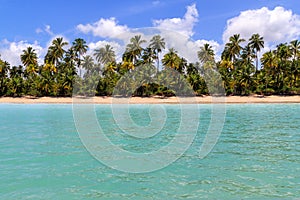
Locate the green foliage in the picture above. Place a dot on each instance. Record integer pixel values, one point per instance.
(141, 72)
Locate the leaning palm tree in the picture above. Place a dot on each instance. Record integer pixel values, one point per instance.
(29, 57)
(157, 43)
(206, 53)
(135, 47)
(256, 42)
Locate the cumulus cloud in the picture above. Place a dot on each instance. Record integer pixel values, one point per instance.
(176, 32)
(277, 25)
(105, 28)
(183, 25)
(116, 47)
(11, 51)
(188, 48)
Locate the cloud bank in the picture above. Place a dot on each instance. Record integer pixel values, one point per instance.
(277, 25)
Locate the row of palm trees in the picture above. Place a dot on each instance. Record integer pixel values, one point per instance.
(278, 73)
(68, 70)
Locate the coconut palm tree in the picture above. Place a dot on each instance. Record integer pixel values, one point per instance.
(149, 55)
(206, 53)
(4, 68)
(135, 47)
(105, 54)
(29, 57)
(295, 49)
(256, 42)
(79, 47)
(88, 64)
(157, 43)
(269, 60)
(171, 59)
(233, 48)
(283, 53)
(29, 60)
(56, 51)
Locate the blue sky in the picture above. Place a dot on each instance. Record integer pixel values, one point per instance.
(36, 22)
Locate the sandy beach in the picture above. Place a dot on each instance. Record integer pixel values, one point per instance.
(153, 100)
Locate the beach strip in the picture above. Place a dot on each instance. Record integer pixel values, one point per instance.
(153, 100)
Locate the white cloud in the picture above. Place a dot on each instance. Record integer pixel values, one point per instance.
(11, 51)
(186, 47)
(119, 50)
(105, 28)
(155, 2)
(47, 29)
(175, 31)
(277, 25)
(183, 25)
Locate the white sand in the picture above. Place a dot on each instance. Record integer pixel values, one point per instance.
(154, 100)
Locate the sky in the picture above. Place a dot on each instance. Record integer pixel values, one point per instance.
(36, 23)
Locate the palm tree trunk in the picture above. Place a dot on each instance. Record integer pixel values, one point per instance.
(256, 60)
(157, 61)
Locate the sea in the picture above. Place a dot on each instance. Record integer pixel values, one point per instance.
(238, 151)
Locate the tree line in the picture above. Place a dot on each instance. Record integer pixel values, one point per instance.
(241, 69)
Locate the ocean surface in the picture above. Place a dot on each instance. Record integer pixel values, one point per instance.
(257, 155)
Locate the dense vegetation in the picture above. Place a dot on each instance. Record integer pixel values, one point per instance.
(240, 69)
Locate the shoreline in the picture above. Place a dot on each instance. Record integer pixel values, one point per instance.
(153, 100)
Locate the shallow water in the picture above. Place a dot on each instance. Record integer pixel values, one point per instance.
(256, 157)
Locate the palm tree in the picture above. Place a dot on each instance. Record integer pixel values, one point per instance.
(149, 55)
(135, 48)
(31, 70)
(283, 52)
(55, 52)
(49, 67)
(171, 59)
(29, 57)
(105, 54)
(233, 48)
(182, 65)
(157, 43)
(269, 62)
(295, 49)
(88, 64)
(256, 42)
(206, 53)
(29, 60)
(4, 67)
(79, 47)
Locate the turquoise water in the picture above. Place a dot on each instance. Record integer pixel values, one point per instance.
(257, 156)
